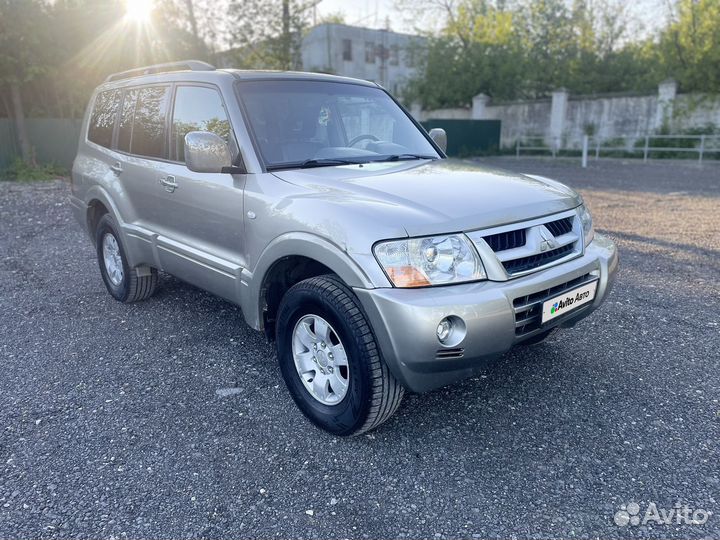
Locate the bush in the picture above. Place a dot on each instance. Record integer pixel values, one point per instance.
(24, 172)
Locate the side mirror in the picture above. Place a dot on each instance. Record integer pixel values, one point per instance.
(206, 152)
(439, 137)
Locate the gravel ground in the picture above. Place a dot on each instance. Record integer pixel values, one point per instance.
(169, 418)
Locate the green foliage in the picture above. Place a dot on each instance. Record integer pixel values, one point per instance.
(267, 34)
(689, 48)
(527, 49)
(24, 172)
(60, 50)
(24, 54)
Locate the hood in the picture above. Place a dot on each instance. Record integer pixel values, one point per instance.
(433, 197)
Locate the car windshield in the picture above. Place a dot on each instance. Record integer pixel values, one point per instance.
(320, 123)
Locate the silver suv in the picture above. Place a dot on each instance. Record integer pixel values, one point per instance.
(319, 206)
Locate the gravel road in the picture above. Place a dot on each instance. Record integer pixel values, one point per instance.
(169, 418)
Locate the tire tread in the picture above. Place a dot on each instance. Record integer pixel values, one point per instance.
(138, 287)
(386, 392)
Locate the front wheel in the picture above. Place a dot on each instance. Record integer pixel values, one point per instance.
(330, 360)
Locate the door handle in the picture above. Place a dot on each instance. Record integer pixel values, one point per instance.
(169, 183)
(116, 168)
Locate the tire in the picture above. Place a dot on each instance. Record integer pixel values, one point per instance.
(539, 338)
(124, 283)
(372, 394)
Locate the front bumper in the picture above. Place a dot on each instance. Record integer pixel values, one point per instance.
(405, 320)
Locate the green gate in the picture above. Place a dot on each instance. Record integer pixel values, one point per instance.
(54, 140)
(468, 137)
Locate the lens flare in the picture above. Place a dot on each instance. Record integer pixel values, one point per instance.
(138, 11)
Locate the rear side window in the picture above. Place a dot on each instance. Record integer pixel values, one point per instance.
(102, 120)
(148, 132)
(197, 108)
(127, 112)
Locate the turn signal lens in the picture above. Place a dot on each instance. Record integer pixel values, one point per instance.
(587, 224)
(407, 276)
(432, 260)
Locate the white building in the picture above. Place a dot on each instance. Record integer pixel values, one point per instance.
(385, 57)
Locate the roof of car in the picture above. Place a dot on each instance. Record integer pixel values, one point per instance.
(202, 72)
(255, 74)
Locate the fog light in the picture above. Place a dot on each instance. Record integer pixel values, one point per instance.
(444, 329)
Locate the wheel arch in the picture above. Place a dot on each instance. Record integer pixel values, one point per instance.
(96, 209)
(99, 203)
(288, 260)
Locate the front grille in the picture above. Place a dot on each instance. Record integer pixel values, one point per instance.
(528, 309)
(447, 354)
(561, 226)
(529, 246)
(506, 240)
(528, 263)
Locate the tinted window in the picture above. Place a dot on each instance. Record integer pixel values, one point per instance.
(365, 114)
(148, 133)
(293, 121)
(197, 109)
(126, 120)
(103, 117)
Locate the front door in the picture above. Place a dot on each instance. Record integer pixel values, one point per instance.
(203, 212)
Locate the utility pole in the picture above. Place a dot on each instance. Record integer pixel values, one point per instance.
(286, 39)
(384, 52)
(199, 44)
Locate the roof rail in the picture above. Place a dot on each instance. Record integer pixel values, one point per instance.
(190, 65)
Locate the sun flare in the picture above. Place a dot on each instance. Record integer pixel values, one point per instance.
(138, 10)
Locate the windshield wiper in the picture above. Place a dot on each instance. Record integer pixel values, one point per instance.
(405, 157)
(327, 162)
(314, 162)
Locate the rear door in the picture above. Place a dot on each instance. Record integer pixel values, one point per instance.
(202, 212)
(142, 146)
(96, 160)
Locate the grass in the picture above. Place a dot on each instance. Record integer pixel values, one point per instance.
(21, 171)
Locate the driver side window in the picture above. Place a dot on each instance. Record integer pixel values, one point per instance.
(362, 116)
(198, 108)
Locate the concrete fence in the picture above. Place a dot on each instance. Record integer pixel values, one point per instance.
(54, 140)
(564, 119)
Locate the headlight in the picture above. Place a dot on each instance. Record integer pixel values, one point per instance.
(587, 224)
(434, 260)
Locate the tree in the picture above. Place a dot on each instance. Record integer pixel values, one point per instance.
(690, 46)
(267, 33)
(527, 49)
(477, 51)
(24, 56)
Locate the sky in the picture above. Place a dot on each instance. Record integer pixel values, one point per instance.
(651, 14)
(369, 13)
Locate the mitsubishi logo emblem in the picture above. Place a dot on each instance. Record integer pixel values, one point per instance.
(548, 240)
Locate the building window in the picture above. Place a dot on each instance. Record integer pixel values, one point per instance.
(369, 52)
(394, 55)
(347, 49)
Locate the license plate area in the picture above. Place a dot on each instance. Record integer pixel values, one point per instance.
(568, 301)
